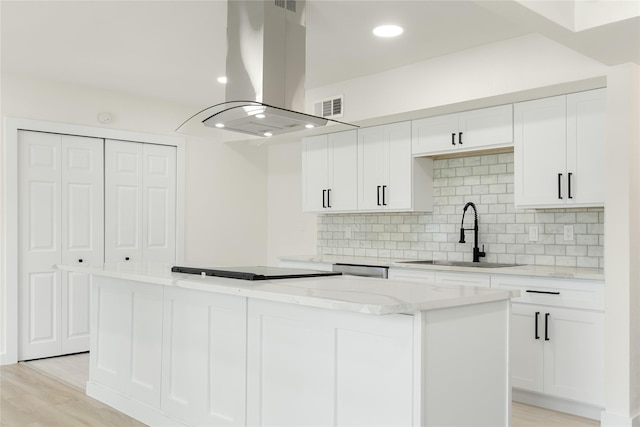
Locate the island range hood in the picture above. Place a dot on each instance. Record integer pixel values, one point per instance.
(265, 68)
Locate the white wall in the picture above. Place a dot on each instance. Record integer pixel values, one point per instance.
(505, 67)
(291, 232)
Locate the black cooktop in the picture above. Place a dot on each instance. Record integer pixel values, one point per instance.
(253, 272)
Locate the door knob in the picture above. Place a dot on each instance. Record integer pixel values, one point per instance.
(80, 260)
(126, 258)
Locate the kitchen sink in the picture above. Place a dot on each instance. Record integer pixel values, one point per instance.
(462, 263)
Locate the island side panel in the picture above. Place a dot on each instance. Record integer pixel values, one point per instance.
(310, 366)
(465, 365)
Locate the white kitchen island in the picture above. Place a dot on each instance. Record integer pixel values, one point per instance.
(177, 349)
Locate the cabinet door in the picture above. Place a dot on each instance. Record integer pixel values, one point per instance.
(204, 357)
(526, 347)
(158, 203)
(39, 208)
(397, 194)
(434, 135)
(372, 167)
(540, 152)
(486, 128)
(343, 171)
(586, 141)
(315, 167)
(82, 236)
(574, 355)
(123, 201)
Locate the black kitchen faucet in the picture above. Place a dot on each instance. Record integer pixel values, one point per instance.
(476, 251)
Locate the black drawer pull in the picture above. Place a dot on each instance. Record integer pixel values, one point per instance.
(329, 198)
(379, 187)
(543, 292)
(460, 138)
(384, 192)
(569, 185)
(453, 139)
(537, 315)
(546, 326)
(324, 196)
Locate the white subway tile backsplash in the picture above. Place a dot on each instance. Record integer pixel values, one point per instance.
(486, 180)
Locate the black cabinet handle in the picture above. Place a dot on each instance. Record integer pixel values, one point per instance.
(546, 326)
(329, 198)
(460, 138)
(569, 185)
(543, 292)
(536, 325)
(379, 196)
(324, 193)
(126, 258)
(384, 192)
(453, 139)
(80, 260)
(560, 186)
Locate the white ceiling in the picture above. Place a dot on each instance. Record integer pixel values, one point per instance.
(174, 50)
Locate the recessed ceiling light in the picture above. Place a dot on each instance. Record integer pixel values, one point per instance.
(268, 134)
(260, 116)
(388, 31)
(309, 126)
(219, 125)
(222, 79)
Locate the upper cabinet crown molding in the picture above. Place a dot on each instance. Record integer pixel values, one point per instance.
(485, 128)
(560, 145)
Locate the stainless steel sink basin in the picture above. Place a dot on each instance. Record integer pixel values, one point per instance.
(461, 263)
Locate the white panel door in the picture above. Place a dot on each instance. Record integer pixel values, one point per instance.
(204, 357)
(540, 151)
(315, 169)
(526, 347)
(486, 127)
(158, 203)
(586, 140)
(82, 236)
(373, 167)
(435, 134)
(39, 242)
(574, 355)
(123, 201)
(343, 171)
(397, 194)
(61, 221)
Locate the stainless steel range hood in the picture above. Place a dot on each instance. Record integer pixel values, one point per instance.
(266, 43)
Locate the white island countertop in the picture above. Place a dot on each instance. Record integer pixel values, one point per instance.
(344, 293)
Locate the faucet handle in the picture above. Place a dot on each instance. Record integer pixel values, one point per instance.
(482, 253)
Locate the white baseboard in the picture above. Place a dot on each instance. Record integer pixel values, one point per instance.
(137, 410)
(557, 404)
(608, 419)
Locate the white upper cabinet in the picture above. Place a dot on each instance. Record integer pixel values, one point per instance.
(460, 132)
(388, 177)
(559, 150)
(140, 202)
(329, 164)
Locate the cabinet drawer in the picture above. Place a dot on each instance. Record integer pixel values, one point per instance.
(587, 294)
(421, 276)
(464, 279)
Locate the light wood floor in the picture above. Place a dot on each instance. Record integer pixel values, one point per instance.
(50, 392)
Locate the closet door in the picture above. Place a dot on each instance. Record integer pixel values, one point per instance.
(159, 203)
(123, 201)
(140, 202)
(60, 207)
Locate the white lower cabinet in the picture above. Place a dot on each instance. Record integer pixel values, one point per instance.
(306, 367)
(203, 357)
(557, 348)
(126, 339)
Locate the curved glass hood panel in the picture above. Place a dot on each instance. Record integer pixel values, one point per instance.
(254, 118)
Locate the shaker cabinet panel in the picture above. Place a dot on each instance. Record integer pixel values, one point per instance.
(329, 172)
(484, 128)
(559, 150)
